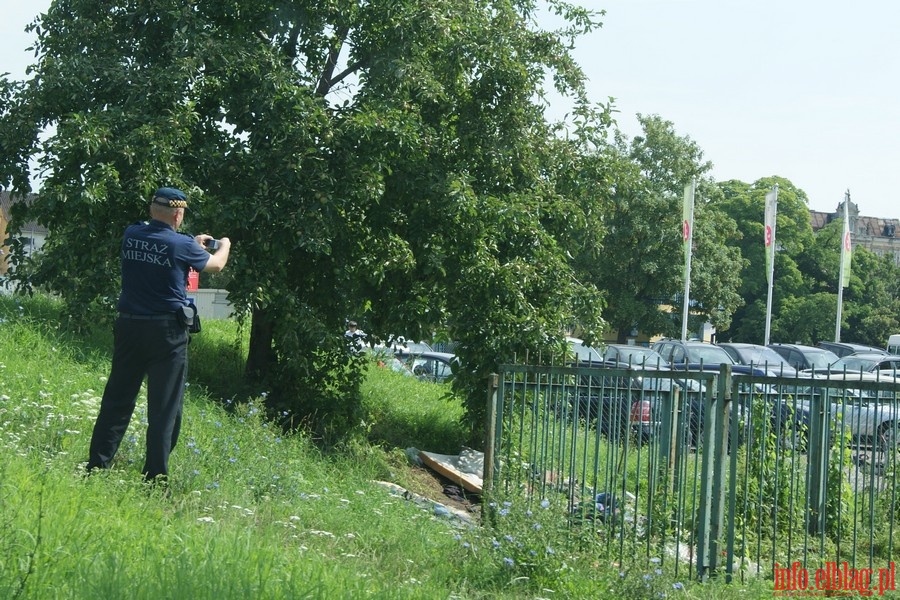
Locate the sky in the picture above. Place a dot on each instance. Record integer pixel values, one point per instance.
(808, 90)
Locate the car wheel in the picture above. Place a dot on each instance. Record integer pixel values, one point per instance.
(888, 436)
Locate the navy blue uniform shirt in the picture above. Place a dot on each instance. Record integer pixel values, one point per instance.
(155, 263)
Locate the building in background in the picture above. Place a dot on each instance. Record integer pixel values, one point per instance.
(32, 234)
(875, 234)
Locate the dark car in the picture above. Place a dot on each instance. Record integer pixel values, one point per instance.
(843, 349)
(804, 358)
(682, 353)
(611, 403)
(759, 356)
(695, 355)
(652, 381)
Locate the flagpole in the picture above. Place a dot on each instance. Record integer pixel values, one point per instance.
(771, 212)
(844, 270)
(687, 230)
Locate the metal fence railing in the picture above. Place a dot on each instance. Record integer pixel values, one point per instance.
(720, 473)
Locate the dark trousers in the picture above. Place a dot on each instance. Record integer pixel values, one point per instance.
(157, 349)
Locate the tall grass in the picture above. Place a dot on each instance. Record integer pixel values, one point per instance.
(253, 512)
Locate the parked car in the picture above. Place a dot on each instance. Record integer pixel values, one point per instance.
(613, 404)
(644, 417)
(893, 344)
(693, 355)
(843, 349)
(400, 345)
(805, 358)
(647, 359)
(638, 356)
(683, 354)
(873, 418)
(430, 366)
(582, 352)
(867, 363)
(759, 356)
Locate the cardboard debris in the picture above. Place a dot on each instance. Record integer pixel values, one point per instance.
(449, 466)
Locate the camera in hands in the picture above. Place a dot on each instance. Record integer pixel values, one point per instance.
(211, 244)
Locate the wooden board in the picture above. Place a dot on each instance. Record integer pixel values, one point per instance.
(445, 464)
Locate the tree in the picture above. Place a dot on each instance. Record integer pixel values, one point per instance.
(383, 161)
(872, 305)
(870, 302)
(745, 203)
(643, 271)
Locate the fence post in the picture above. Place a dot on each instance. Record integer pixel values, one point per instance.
(712, 489)
(668, 437)
(817, 449)
(491, 435)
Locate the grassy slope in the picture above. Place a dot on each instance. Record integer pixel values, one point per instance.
(253, 513)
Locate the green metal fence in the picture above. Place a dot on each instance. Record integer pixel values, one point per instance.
(723, 474)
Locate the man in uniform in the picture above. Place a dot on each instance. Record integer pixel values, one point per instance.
(151, 332)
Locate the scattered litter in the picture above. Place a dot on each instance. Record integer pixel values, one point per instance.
(435, 508)
(413, 455)
(454, 493)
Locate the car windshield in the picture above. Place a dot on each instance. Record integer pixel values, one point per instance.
(821, 360)
(764, 355)
(854, 363)
(639, 355)
(584, 353)
(711, 355)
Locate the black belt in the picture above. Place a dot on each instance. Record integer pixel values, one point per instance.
(162, 317)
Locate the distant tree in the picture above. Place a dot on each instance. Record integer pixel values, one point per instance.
(643, 271)
(384, 161)
(871, 302)
(806, 274)
(805, 319)
(745, 203)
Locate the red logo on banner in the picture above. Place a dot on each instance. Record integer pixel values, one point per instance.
(768, 235)
(847, 241)
(686, 230)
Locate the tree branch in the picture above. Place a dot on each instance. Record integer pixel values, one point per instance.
(290, 47)
(326, 81)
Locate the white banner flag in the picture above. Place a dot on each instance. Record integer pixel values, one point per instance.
(770, 219)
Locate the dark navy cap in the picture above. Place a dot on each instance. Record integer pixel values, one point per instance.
(170, 197)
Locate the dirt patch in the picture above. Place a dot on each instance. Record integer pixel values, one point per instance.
(425, 482)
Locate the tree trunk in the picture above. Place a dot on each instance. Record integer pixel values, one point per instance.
(260, 355)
